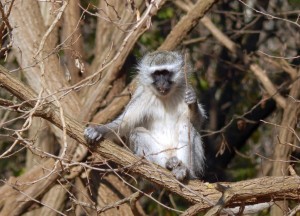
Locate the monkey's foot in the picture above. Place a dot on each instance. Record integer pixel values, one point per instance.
(190, 96)
(172, 163)
(178, 169)
(92, 135)
(180, 172)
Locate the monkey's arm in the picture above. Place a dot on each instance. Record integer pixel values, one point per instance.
(196, 112)
(121, 126)
(93, 134)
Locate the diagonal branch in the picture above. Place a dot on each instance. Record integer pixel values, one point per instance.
(189, 21)
(235, 49)
(262, 189)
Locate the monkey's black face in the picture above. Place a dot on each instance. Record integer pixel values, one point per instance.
(162, 81)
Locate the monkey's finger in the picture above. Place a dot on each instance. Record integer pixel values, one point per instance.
(88, 131)
(94, 134)
(89, 135)
(190, 96)
(190, 100)
(99, 137)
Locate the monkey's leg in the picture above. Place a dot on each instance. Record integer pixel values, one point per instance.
(198, 157)
(143, 144)
(190, 151)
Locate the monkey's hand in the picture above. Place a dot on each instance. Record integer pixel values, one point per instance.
(190, 96)
(93, 134)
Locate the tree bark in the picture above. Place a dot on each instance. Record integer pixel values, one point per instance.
(286, 141)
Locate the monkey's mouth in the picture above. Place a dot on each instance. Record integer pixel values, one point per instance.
(163, 91)
(162, 87)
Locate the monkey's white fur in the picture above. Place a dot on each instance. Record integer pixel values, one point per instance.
(162, 128)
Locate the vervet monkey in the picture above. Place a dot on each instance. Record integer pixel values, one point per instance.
(162, 120)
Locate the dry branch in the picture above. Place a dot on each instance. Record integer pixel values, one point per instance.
(43, 72)
(281, 64)
(35, 48)
(14, 202)
(283, 149)
(246, 192)
(267, 83)
(114, 21)
(287, 132)
(73, 40)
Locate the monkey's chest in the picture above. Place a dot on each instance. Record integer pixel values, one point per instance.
(165, 129)
(165, 122)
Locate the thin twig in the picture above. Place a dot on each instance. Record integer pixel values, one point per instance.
(189, 112)
(50, 29)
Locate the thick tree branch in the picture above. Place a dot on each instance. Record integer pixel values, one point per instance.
(73, 40)
(189, 21)
(283, 149)
(262, 189)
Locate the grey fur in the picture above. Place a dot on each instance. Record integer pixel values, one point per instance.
(158, 126)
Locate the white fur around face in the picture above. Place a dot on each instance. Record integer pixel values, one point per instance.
(146, 66)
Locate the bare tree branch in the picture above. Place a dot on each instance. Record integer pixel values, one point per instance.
(282, 151)
(71, 34)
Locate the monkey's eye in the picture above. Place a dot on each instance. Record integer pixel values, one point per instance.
(167, 75)
(161, 72)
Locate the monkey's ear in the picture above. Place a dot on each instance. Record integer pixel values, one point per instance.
(143, 53)
(141, 61)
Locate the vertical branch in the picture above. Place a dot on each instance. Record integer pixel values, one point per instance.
(189, 113)
(71, 34)
(283, 149)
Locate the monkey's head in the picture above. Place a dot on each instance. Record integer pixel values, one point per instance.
(162, 71)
